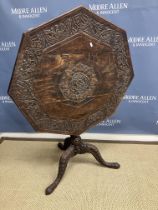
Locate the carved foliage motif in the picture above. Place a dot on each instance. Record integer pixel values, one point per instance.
(47, 35)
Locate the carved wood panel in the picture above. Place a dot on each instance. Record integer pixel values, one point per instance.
(71, 72)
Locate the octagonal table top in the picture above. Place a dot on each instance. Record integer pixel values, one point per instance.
(71, 72)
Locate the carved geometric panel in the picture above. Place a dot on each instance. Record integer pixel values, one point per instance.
(71, 72)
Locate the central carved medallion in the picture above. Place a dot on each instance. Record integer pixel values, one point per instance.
(77, 84)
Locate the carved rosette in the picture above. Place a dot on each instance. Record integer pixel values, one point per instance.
(79, 84)
(71, 72)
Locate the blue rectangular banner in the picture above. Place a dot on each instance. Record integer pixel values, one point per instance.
(138, 111)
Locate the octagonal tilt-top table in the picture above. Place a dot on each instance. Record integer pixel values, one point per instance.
(70, 74)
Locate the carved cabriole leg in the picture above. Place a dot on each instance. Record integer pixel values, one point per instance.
(95, 152)
(82, 147)
(67, 142)
(62, 167)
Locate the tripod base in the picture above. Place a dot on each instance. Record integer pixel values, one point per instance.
(73, 146)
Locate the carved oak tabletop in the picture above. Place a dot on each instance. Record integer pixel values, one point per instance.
(71, 72)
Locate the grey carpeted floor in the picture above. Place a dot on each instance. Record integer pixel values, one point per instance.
(27, 168)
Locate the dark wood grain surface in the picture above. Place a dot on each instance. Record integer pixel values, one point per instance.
(71, 72)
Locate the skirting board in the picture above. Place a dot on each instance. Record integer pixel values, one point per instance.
(86, 136)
